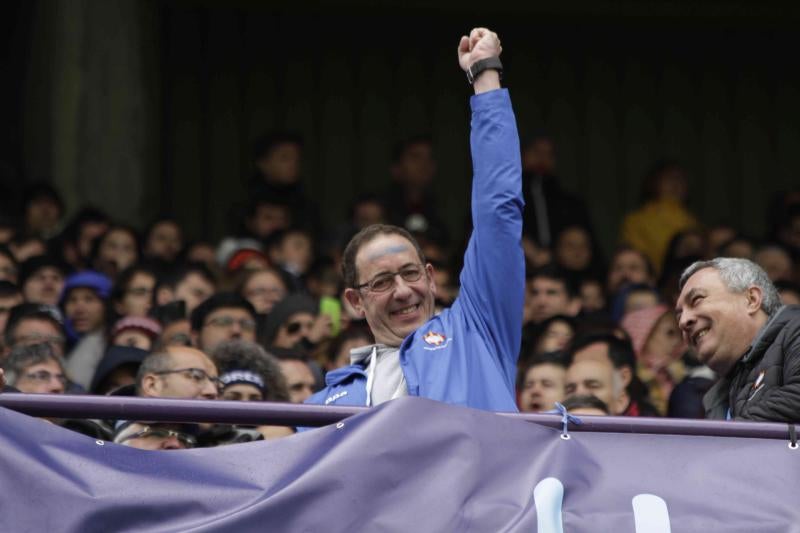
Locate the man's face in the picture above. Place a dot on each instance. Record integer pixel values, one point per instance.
(264, 289)
(574, 249)
(165, 241)
(282, 164)
(395, 313)
(299, 380)
(138, 297)
(194, 289)
(416, 166)
(596, 378)
(548, 297)
(42, 215)
(117, 251)
(627, 267)
(30, 331)
(540, 158)
(227, 323)
(715, 321)
(43, 286)
(543, 386)
(182, 379)
(84, 309)
(297, 326)
(42, 378)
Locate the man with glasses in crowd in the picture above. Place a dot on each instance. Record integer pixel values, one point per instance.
(467, 354)
(222, 317)
(178, 372)
(36, 368)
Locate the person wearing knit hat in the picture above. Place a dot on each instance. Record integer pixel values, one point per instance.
(248, 373)
(84, 303)
(659, 346)
(294, 321)
(136, 331)
(117, 369)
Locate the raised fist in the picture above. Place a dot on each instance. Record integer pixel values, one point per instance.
(480, 44)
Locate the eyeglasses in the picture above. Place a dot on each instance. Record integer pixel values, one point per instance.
(384, 282)
(198, 375)
(140, 291)
(294, 327)
(36, 338)
(161, 433)
(44, 376)
(247, 324)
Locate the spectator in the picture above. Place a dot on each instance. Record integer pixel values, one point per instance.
(409, 200)
(550, 292)
(629, 393)
(224, 316)
(338, 353)
(135, 331)
(731, 315)
(548, 207)
(299, 378)
(775, 261)
(176, 330)
(597, 378)
(658, 346)
(542, 383)
(35, 324)
(115, 250)
(553, 334)
(42, 279)
(192, 283)
(789, 292)
(248, 373)
(132, 293)
(292, 250)
(740, 246)
(163, 241)
(84, 303)
(76, 240)
(178, 372)
(663, 212)
(36, 368)
(295, 322)
(117, 369)
(628, 266)
(42, 210)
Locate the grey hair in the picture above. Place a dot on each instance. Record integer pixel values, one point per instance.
(25, 356)
(738, 275)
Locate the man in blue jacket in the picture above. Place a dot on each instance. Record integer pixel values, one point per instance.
(467, 354)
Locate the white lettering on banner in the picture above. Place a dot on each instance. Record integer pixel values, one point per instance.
(650, 512)
(335, 397)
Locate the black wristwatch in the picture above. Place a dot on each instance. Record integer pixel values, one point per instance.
(490, 63)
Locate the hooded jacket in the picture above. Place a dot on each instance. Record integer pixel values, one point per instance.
(765, 383)
(467, 355)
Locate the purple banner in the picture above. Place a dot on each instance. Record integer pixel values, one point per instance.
(409, 465)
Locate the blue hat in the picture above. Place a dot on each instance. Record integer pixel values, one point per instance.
(88, 279)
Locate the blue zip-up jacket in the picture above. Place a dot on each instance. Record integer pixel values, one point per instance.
(467, 355)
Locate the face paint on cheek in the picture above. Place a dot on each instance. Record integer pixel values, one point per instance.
(390, 250)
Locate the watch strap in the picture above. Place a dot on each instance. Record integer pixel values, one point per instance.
(490, 63)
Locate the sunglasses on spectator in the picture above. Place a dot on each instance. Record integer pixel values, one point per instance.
(295, 327)
(387, 280)
(247, 324)
(44, 376)
(198, 375)
(161, 433)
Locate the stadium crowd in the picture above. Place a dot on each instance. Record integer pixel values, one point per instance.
(92, 306)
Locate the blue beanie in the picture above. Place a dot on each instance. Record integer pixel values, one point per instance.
(87, 279)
